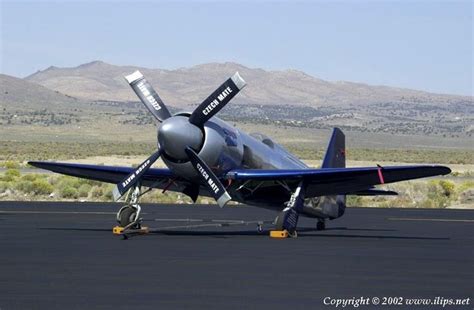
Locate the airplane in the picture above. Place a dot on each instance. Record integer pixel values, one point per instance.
(205, 156)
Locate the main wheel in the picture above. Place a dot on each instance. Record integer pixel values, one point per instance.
(127, 216)
(321, 225)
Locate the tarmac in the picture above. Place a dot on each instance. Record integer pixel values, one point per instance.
(64, 256)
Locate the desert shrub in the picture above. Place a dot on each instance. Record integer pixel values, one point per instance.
(24, 186)
(9, 164)
(13, 172)
(447, 187)
(84, 190)
(437, 196)
(97, 191)
(10, 175)
(467, 196)
(107, 194)
(69, 192)
(427, 204)
(354, 201)
(42, 187)
(4, 186)
(156, 196)
(67, 181)
(465, 186)
(54, 179)
(30, 177)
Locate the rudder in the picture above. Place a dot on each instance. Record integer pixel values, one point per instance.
(336, 152)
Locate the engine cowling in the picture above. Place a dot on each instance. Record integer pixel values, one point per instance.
(217, 143)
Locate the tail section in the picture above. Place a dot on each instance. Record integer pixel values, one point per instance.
(334, 206)
(336, 152)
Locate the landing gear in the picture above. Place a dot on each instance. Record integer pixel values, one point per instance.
(321, 225)
(287, 220)
(126, 216)
(129, 215)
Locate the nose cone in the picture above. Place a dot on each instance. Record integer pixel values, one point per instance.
(175, 134)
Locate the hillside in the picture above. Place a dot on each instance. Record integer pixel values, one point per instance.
(21, 94)
(181, 87)
(94, 94)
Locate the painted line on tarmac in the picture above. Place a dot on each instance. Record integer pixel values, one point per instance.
(202, 220)
(428, 219)
(55, 212)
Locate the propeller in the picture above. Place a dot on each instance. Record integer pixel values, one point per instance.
(181, 137)
(148, 96)
(215, 186)
(131, 179)
(217, 100)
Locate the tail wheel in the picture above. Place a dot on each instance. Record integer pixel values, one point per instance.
(321, 225)
(127, 216)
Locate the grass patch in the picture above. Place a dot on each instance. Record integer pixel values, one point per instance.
(12, 153)
(427, 193)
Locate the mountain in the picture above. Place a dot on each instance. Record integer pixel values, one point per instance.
(19, 93)
(98, 80)
(97, 92)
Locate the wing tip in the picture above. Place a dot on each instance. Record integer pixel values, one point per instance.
(37, 164)
(444, 170)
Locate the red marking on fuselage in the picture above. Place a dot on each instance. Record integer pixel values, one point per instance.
(382, 181)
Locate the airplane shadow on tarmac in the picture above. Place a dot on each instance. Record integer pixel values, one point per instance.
(302, 232)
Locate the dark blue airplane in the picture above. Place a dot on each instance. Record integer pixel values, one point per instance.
(206, 156)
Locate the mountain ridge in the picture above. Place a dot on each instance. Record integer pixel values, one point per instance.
(182, 87)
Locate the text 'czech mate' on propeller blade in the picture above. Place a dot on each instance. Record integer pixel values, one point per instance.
(148, 95)
(217, 100)
(215, 186)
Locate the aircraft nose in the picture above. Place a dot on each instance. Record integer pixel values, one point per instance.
(175, 134)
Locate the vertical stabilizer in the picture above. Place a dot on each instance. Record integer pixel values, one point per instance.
(336, 152)
(335, 157)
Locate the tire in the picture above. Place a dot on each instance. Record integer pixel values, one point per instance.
(321, 225)
(127, 216)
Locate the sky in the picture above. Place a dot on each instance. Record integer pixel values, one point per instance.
(426, 45)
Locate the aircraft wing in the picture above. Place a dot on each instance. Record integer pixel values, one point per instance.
(332, 181)
(157, 178)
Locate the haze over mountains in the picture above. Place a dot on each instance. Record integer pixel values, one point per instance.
(181, 87)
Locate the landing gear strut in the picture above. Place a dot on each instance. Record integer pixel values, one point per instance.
(287, 220)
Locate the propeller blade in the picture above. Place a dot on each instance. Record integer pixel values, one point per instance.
(131, 179)
(215, 186)
(217, 100)
(148, 95)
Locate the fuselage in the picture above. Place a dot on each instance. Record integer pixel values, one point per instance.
(227, 148)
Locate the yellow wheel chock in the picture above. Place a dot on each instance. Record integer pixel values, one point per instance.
(280, 234)
(118, 230)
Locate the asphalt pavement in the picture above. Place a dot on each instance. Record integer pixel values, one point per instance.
(64, 256)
